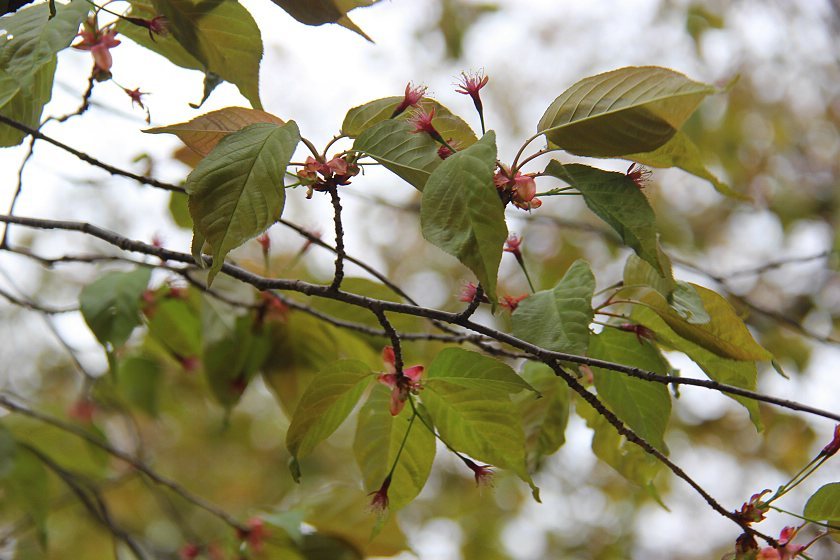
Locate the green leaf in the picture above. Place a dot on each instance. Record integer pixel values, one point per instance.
(681, 152)
(558, 319)
(140, 382)
(681, 296)
(412, 157)
(628, 459)
(739, 373)
(482, 423)
(165, 45)
(450, 126)
(462, 214)
(237, 191)
(643, 405)
(111, 305)
(544, 416)
(617, 200)
(8, 452)
(304, 345)
(725, 333)
(176, 324)
(824, 505)
(29, 59)
(686, 301)
(223, 36)
(179, 210)
(625, 111)
(203, 133)
(319, 12)
(379, 437)
(231, 362)
(28, 487)
(328, 400)
(477, 371)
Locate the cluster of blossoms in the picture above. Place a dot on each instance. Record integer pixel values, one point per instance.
(322, 176)
(470, 292)
(518, 188)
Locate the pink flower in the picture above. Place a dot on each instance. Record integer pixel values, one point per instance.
(412, 97)
(99, 43)
(768, 553)
(785, 550)
(158, 25)
(422, 122)
(254, 534)
(82, 410)
(136, 96)
(471, 85)
(519, 189)
(401, 383)
(468, 293)
(834, 445)
(379, 503)
(512, 245)
(189, 552)
(483, 473)
(639, 175)
(265, 242)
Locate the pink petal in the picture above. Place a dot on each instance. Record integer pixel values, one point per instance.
(388, 379)
(388, 358)
(397, 402)
(413, 373)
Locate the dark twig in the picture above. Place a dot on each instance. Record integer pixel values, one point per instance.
(476, 301)
(392, 334)
(339, 239)
(88, 159)
(197, 501)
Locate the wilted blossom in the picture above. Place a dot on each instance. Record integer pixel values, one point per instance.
(512, 245)
(511, 302)
(753, 511)
(412, 97)
(99, 42)
(483, 473)
(639, 175)
(379, 503)
(401, 383)
(834, 445)
(254, 533)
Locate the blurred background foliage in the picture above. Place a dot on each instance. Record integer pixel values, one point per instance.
(775, 135)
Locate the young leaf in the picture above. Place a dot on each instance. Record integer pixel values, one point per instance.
(111, 305)
(470, 369)
(625, 111)
(222, 36)
(483, 423)
(29, 41)
(237, 191)
(681, 296)
(644, 406)
(379, 437)
(544, 418)
(725, 333)
(681, 152)
(558, 319)
(739, 373)
(412, 157)
(824, 504)
(451, 127)
(462, 214)
(327, 401)
(203, 133)
(616, 199)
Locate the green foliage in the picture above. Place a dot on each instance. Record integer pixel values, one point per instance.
(111, 305)
(319, 12)
(824, 504)
(642, 405)
(461, 213)
(544, 419)
(558, 319)
(411, 156)
(383, 440)
(237, 191)
(617, 200)
(29, 41)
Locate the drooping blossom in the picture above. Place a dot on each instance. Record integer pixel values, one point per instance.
(99, 42)
(136, 96)
(400, 383)
(753, 511)
(513, 244)
(158, 25)
(639, 175)
(379, 503)
(422, 122)
(520, 189)
(834, 445)
(254, 533)
(483, 473)
(511, 302)
(412, 97)
(642, 332)
(468, 293)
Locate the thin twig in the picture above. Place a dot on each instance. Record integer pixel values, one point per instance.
(339, 239)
